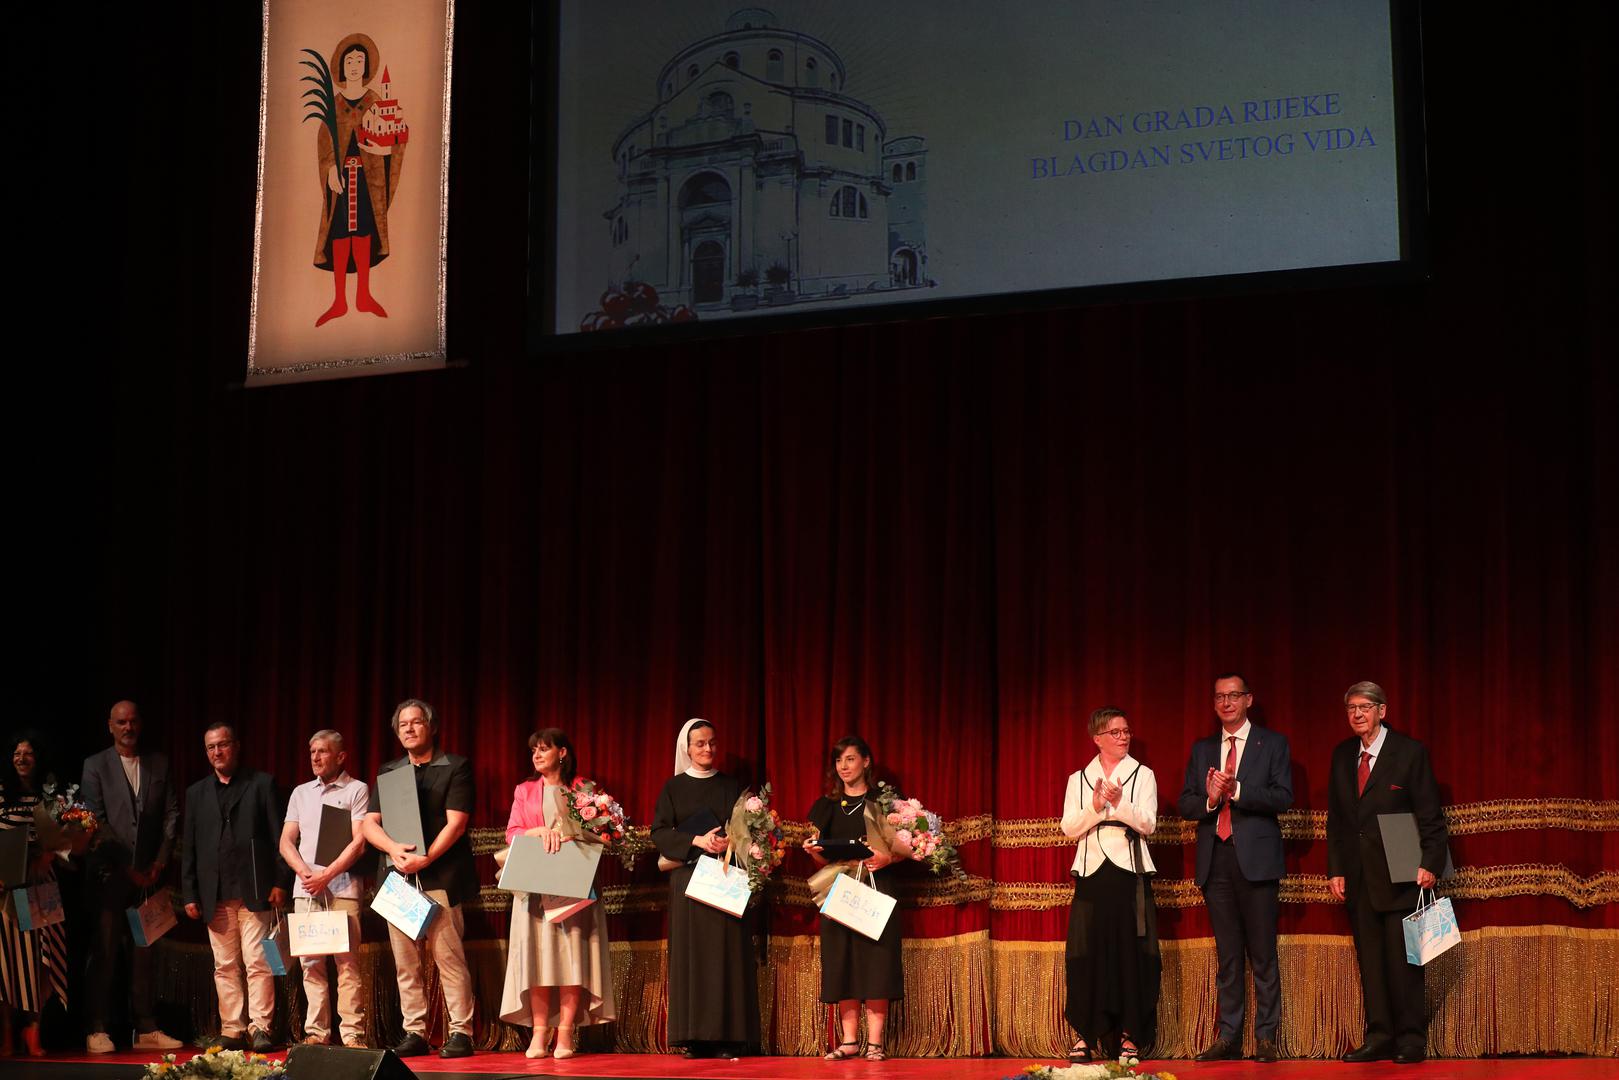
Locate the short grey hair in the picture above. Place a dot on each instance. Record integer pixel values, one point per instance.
(1368, 690)
(327, 735)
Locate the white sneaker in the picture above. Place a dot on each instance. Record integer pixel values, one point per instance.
(154, 1040)
(99, 1043)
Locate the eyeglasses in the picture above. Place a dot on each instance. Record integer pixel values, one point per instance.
(1235, 695)
(1118, 732)
(1356, 710)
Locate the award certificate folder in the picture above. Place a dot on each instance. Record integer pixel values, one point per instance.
(700, 822)
(401, 807)
(844, 850)
(336, 833)
(14, 857)
(1402, 847)
(570, 871)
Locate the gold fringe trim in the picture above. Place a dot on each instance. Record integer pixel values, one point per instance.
(1469, 883)
(1503, 990)
(1465, 819)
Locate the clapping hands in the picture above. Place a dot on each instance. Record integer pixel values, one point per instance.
(1219, 785)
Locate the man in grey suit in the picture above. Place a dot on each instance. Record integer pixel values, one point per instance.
(139, 809)
(1238, 783)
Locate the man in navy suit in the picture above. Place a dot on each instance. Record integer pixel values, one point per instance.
(1237, 783)
(1379, 771)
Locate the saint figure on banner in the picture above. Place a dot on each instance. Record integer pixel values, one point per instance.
(360, 152)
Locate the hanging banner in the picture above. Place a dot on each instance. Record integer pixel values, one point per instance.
(354, 160)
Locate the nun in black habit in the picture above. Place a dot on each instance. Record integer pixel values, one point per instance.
(713, 977)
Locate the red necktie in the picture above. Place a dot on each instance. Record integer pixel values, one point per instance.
(1222, 826)
(1363, 772)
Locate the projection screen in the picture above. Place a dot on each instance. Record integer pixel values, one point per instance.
(708, 164)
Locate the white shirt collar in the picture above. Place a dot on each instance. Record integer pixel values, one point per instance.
(1125, 766)
(1376, 749)
(701, 774)
(1241, 733)
(342, 779)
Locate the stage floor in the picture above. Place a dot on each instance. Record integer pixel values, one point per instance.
(644, 1066)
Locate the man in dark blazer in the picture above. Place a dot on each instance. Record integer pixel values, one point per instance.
(1379, 771)
(1237, 783)
(231, 876)
(139, 810)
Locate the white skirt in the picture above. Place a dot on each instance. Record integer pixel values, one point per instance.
(573, 952)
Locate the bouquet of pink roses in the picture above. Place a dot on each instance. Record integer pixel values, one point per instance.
(919, 828)
(758, 843)
(601, 817)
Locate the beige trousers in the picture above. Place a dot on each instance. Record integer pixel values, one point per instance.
(443, 939)
(350, 1007)
(237, 936)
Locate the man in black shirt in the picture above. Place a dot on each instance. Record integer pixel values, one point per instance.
(444, 792)
(230, 878)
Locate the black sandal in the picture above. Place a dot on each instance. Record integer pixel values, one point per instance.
(874, 1052)
(1129, 1053)
(837, 1053)
(1079, 1053)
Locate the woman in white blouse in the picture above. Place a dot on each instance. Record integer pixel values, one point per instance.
(1111, 807)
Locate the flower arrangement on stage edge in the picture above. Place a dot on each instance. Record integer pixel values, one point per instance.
(921, 828)
(1102, 1070)
(757, 841)
(601, 816)
(216, 1064)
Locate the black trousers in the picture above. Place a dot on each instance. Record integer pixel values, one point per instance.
(112, 943)
(1243, 914)
(1391, 987)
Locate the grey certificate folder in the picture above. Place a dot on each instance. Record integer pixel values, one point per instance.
(569, 872)
(1402, 846)
(336, 834)
(402, 807)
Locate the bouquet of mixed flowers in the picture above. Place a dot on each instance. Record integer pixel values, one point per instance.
(757, 841)
(601, 816)
(216, 1064)
(66, 809)
(921, 829)
(1102, 1070)
(75, 823)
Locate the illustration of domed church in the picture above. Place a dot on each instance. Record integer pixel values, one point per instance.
(756, 178)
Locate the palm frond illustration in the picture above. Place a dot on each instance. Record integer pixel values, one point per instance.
(324, 105)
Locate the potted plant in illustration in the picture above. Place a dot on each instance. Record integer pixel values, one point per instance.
(747, 280)
(777, 277)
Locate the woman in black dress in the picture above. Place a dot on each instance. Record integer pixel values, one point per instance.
(854, 968)
(713, 977)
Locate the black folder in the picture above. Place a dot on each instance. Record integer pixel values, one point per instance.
(336, 833)
(699, 823)
(843, 850)
(14, 857)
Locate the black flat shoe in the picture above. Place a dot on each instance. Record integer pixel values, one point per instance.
(1369, 1052)
(458, 1045)
(1410, 1057)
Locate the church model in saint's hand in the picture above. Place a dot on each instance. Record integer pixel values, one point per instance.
(383, 125)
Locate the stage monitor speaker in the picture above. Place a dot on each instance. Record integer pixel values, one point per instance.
(340, 1063)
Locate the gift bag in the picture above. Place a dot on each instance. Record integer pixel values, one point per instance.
(1431, 929)
(557, 908)
(857, 905)
(719, 885)
(154, 918)
(404, 906)
(38, 905)
(318, 933)
(275, 947)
